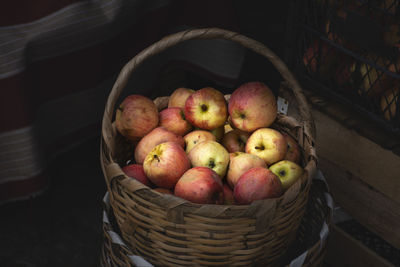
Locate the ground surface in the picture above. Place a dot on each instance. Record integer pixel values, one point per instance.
(63, 226)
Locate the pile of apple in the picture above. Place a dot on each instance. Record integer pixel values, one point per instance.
(209, 150)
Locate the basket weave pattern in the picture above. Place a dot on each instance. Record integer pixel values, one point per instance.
(317, 213)
(169, 231)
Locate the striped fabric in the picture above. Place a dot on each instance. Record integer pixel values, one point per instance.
(59, 60)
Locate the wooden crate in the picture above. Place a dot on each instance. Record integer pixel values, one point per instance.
(362, 166)
(344, 250)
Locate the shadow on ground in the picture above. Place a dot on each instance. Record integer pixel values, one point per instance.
(62, 227)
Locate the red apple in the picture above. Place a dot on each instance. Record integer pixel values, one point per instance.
(293, 149)
(255, 184)
(210, 154)
(268, 144)
(321, 58)
(228, 195)
(234, 154)
(136, 116)
(344, 74)
(206, 109)
(196, 137)
(373, 82)
(200, 185)
(165, 164)
(157, 136)
(179, 97)
(241, 163)
(252, 106)
(235, 140)
(173, 119)
(136, 171)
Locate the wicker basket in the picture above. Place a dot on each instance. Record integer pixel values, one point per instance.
(308, 250)
(170, 231)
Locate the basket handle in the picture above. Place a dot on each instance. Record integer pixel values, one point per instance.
(207, 33)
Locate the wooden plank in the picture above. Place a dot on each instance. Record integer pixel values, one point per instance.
(358, 155)
(361, 123)
(343, 250)
(369, 207)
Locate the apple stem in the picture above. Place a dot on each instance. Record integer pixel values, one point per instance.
(156, 157)
(260, 147)
(211, 164)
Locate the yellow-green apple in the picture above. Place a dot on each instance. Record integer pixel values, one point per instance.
(163, 190)
(228, 195)
(173, 119)
(367, 80)
(136, 116)
(206, 109)
(196, 137)
(293, 150)
(255, 184)
(136, 171)
(252, 106)
(178, 97)
(210, 154)
(287, 171)
(200, 185)
(388, 103)
(239, 164)
(165, 164)
(155, 137)
(268, 144)
(373, 82)
(235, 140)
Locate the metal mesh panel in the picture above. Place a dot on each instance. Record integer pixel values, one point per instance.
(349, 51)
